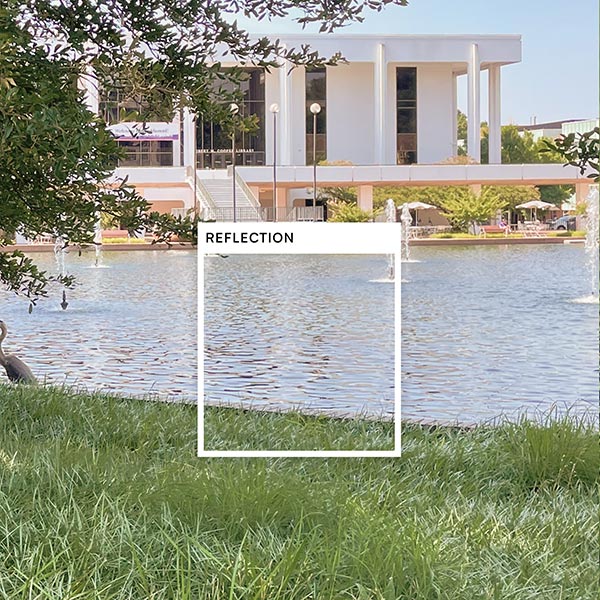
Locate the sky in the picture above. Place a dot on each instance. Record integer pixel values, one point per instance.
(557, 77)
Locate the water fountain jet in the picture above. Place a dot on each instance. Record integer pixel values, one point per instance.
(98, 242)
(390, 217)
(591, 242)
(406, 220)
(59, 255)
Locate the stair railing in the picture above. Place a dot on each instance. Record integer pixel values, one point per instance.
(251, 197)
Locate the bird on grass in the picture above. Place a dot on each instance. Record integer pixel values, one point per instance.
(16, 369)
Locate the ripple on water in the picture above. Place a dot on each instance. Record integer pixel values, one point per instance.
(126, 330)
(486, 331)
(304, 330)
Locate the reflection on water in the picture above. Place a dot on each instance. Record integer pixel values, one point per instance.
(489, 330)
(130, 326)
(486, 330)
(307, 331)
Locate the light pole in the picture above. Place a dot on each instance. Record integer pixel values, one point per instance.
(195, 125)
(233, 109)
(274, 108)
(315, 109)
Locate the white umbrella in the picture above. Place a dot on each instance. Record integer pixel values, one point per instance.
(535, 204)
(416, 206)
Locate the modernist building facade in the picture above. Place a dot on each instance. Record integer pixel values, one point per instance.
(392, 104)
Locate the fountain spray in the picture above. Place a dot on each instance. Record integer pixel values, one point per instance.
(406, 221)
(591, 238)
(98, 240)
(390, 217)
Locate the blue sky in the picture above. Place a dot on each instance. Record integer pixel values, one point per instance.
(558, 75)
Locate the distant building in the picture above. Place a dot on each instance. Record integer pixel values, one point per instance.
(579, 126)
(548, 130)
(387, 116)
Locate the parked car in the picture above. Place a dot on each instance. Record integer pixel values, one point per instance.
(566, 222)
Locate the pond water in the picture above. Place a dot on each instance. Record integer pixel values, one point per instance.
(494, 329)
(308, 331)
(130, 326)
(486, 330)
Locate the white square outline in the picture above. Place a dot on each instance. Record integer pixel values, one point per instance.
(307, 226)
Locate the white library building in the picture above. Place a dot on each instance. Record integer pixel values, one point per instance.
(386, 116)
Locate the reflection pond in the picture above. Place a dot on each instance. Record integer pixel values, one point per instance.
(310, 331)
(486, 330)
(491, 330)
(130, 326)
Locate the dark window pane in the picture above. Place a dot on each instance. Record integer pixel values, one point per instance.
(166, 160)
(406, 115)
(216, 141)
(256, 85)
(316, 85)
(316, 91)
(407, 120)
(406, 83)
(147, 153)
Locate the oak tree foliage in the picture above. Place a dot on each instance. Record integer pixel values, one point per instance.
(57, 157)
(581, 150)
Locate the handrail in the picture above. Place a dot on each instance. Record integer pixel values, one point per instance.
(246, 188)
(204, 194)
(243, 213)
(205, 202)
(249, 213)
(308, 213)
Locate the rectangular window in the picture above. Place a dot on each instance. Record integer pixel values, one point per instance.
(116, 103)
(316, 92)
(147, 154)
(214, 141)
(406, 115)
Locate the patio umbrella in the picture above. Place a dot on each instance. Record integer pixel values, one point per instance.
(416, 206)
(535, 204)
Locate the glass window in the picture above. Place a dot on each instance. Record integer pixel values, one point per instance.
(406, 115)
(149, 153)
(214, 142)
(316, 91)
(114, 102)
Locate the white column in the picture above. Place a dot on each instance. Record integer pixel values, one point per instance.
(284, 124)
(177, 142)
(474, 118)
(495, 135)
(365, 197)
(454, 117)
(189, 138)
(89, 84)
(379, 97)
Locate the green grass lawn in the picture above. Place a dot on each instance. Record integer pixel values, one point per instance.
(103, 498)
(230, 429)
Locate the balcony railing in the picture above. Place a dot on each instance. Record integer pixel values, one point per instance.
(284, 214)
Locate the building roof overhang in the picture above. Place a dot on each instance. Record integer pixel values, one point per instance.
(499, 49)
(416, 175)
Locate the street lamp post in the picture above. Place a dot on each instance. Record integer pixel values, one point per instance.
(195, 171)
(315, 109)
(234, 109)
(274, 108)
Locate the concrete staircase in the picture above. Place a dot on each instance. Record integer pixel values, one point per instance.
(218, 187)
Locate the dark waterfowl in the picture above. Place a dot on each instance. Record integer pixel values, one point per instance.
(16, 369)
